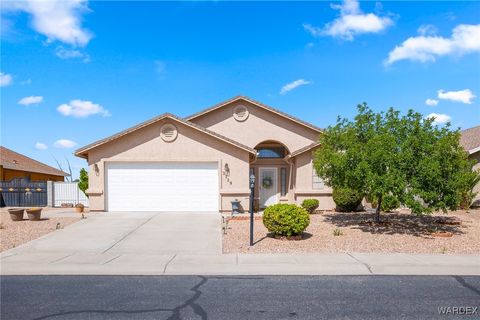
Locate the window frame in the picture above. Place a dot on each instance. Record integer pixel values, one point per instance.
(319, 184)
(272, 149)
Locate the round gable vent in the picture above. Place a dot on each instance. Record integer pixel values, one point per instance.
(240, 113)
(168, 132)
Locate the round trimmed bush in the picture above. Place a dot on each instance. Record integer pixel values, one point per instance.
(310, 205)
(347, 199)
(285, 219)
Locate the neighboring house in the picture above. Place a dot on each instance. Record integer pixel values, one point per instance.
(470, 141)
(203, 162)
(15, 165)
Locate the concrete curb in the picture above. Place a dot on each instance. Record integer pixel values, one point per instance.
(238, 264)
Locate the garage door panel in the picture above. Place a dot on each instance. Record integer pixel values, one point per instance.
(162, 186)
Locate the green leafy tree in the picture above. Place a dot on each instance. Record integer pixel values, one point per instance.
(405, 157)
(83, 183)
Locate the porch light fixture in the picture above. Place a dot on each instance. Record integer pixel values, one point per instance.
(95, 168)
(226, 170)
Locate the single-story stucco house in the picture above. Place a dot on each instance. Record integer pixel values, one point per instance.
(470, 141)
(203, 162)
(14, 165)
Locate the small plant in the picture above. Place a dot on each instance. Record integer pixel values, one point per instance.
(310, 205)
(58, 226)
(2, 225)
(347, 199)
(337, 232)
(286, 219)
(444, 250)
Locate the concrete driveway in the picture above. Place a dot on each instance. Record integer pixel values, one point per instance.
(135, 232)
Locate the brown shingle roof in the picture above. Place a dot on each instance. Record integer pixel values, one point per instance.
(81, 152)
(260, 104)
(470, 138)
(16, 161)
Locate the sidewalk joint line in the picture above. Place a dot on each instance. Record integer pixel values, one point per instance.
(364, 263)
(168, 262)
(108, 261)
(129, 233)
(62, 258)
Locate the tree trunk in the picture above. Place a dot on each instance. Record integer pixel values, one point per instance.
(377, 212)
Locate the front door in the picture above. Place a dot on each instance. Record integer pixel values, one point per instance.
(268, 186)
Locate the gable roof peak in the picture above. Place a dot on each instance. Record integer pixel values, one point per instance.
(81, 152)
(259, 104)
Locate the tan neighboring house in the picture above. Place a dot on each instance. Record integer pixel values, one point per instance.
(470, 141)
(15, 165)
(203, 162)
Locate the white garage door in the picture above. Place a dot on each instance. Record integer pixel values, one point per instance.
(154, 186)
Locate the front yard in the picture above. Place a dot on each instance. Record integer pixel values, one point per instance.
(15, 233)
(399, 232)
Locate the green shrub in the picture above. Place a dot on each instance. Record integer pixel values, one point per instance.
(286, 219)
(389, 203)
(347, 199)
(310, 205)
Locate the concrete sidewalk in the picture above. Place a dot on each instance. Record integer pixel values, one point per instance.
(149, 244)
(55, 263)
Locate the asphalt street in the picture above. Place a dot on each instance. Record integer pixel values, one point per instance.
(240, 297)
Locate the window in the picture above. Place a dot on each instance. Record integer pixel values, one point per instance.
(271, 152)
(317, 182)
(283, 181)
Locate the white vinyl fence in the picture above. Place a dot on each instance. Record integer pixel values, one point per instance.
(68, 193)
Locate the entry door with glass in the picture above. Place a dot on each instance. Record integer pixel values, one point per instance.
(268, 186)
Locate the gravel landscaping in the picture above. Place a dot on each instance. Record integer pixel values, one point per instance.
(398, 232)
(15, 233)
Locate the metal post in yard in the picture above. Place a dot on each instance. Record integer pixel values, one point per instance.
(252, 188)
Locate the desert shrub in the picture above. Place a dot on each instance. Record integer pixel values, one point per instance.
(286, 219)
(310, 205)
(347, 199)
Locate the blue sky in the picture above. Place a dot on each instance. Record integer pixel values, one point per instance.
(74, 72)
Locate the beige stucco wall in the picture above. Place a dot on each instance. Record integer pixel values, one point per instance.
(190, 145)
(261, 125)
(304, 183)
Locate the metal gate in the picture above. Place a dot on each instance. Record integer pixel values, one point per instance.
(23, 193)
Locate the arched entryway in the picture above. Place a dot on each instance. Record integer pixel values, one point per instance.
(272, 171)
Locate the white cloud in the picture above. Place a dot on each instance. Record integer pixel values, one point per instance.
(465, 39)
(31, 100)
(64, 144)
(439, 118)
(82, 109)
(427, 29)
(431, 102)
(352, 22)
(64, 53)
(40, 146)
(292, 85)
(464, 96)
(5, 79)
(58, 20)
